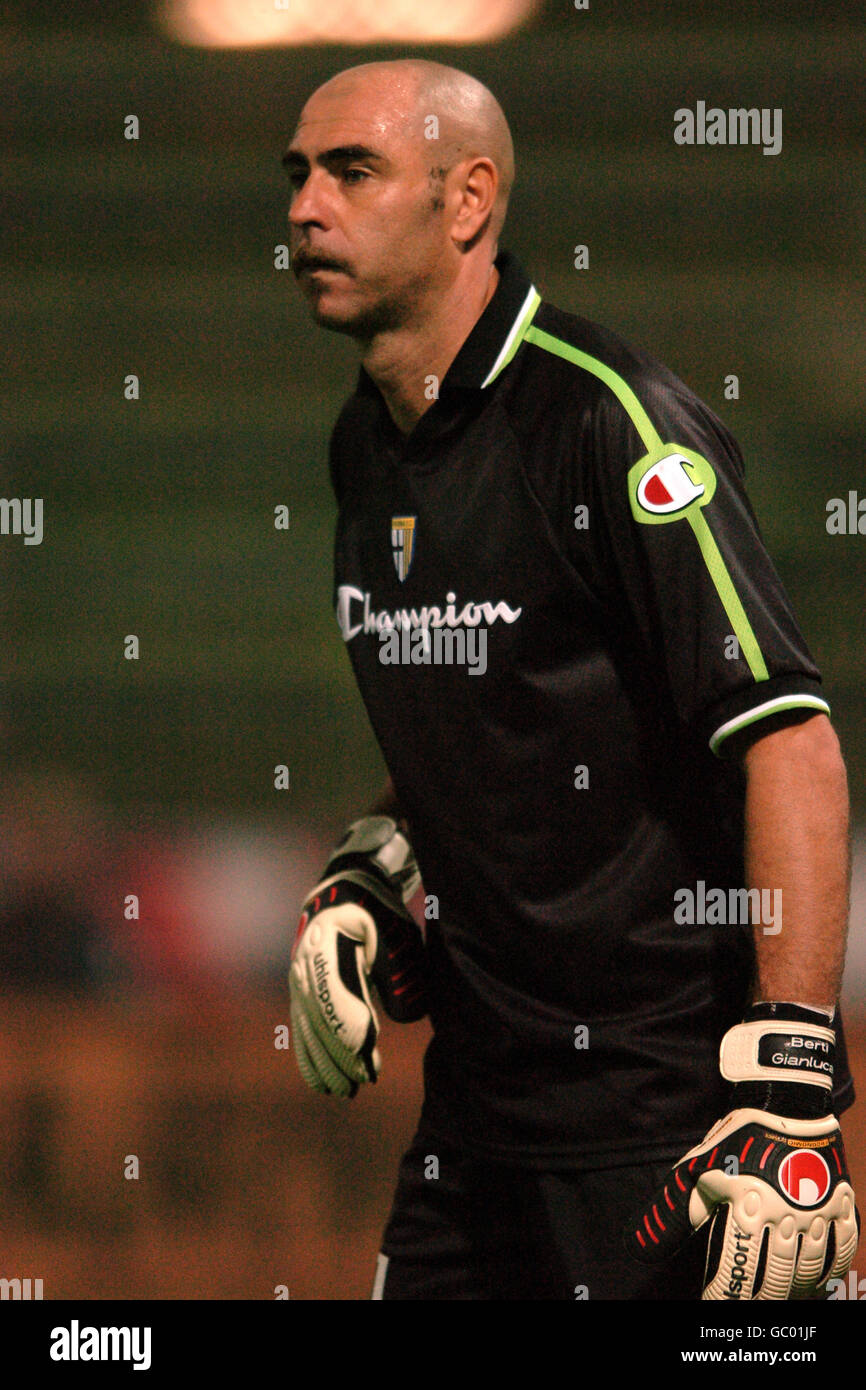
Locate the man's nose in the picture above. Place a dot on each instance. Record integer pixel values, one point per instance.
(309, 203)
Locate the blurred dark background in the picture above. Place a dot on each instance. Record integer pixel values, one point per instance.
(153, 1034)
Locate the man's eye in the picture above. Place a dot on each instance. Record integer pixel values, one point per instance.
(347, 174)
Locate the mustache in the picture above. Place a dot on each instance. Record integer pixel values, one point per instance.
(311, 260)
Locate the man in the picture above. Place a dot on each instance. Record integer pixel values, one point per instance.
(622, 730)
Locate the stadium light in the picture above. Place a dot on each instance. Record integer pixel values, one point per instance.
(258, 23)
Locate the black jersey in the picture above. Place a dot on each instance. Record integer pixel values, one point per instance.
(561, 617)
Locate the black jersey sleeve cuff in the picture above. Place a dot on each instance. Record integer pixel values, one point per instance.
(730, 726)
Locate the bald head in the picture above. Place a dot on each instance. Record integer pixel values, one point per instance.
(400, 175)
(455, 116)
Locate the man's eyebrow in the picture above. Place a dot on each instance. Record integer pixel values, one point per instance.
(293, 159)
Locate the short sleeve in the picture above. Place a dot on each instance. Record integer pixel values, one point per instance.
(688, 566)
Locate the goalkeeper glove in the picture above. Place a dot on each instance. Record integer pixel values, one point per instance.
(771, 1175)
(355, 927)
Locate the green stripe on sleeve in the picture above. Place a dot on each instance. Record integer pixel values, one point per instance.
(728, 594)
(626, 396)
(712, 556)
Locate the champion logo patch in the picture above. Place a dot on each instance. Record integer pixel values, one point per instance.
(669, 486)
(804, 1177)
(669, 483)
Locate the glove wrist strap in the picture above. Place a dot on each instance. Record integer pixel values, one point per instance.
(376, 846)
(781, 1058)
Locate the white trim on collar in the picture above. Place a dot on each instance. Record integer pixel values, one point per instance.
(524, 317)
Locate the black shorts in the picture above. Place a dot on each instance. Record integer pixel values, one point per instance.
(466, 1227)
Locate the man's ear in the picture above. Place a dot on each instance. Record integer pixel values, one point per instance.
(479, 185)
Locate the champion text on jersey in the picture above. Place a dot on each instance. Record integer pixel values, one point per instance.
(351, 621)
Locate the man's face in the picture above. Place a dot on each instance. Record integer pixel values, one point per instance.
(366, 244)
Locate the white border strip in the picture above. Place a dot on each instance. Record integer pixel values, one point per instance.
(515, 329)
(759, 711)
(379, 1281)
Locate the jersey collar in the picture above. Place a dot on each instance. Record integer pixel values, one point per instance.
(498, 333)
(496, 336)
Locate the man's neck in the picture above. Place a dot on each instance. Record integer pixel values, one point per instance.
(402, 363)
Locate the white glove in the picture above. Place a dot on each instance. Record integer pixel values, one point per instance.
(334, 1024)
(776, 1187)
(355, 927)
